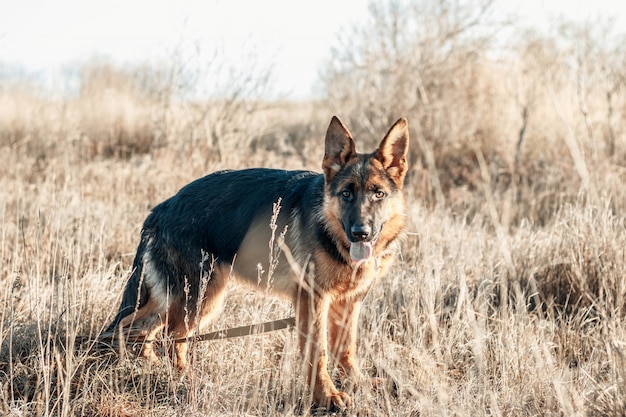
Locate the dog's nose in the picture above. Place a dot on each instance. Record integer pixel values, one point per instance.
(360, 232)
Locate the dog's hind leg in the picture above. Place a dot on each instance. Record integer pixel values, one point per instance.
(148, 347)
(210, 303)
(148, 321)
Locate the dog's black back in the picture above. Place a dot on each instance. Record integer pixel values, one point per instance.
(212, 215)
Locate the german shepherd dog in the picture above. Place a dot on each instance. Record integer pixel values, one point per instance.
(338, 231)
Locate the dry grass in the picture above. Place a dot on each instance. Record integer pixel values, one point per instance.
(476, 319)
(509, 298)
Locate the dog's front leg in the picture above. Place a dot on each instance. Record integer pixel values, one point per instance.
(343, 319)
(312, 316)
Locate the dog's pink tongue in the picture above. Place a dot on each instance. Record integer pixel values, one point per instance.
(360, 251)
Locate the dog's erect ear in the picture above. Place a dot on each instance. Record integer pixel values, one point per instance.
(393, 150)
(339, 148)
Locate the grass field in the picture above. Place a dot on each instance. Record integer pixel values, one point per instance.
(509, 298)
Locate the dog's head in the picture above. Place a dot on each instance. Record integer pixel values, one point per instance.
(364, 191)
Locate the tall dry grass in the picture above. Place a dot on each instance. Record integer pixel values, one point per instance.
(508, 298)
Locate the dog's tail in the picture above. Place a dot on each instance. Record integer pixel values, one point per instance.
(136, 292)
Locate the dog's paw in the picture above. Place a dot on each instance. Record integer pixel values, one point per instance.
(332, 399)
(336, 401)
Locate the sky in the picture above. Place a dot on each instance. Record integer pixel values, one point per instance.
(45, 37)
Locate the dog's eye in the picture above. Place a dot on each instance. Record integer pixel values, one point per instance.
(347, 194)
(379, 195)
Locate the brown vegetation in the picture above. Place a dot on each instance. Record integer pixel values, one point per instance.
(509, 298)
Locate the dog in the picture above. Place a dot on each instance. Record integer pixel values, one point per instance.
(318, 239)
